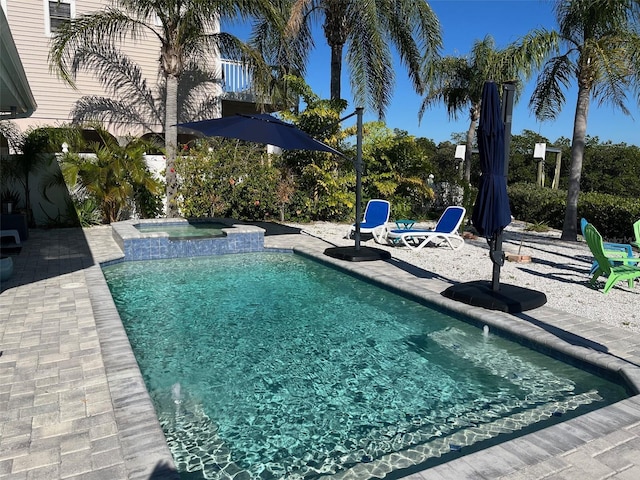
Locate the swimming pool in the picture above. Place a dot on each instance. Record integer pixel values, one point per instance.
(247, 376)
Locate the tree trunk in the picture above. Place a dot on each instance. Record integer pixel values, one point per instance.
(336, 33)
(336, 71)
(171, 144)
(467, 154)
(570, 226)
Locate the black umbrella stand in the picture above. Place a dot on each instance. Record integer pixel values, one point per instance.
(492, 294)
(357, 253)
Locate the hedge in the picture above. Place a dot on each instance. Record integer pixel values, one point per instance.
(613, 216)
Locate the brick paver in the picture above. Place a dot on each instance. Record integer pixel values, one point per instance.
(73, 404)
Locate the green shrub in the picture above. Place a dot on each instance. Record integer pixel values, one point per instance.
(534, 204)
(227, 178)
(613, 216)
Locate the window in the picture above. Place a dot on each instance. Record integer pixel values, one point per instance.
(57, 12)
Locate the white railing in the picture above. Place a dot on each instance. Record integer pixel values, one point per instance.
(236, 77)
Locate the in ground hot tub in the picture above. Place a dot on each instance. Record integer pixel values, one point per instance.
(185, 231)
(178, 237)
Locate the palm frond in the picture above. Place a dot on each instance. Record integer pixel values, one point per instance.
(369, 58)
(10, 131)
(109, 110)
(548, 97)
(99, 28)
(117, 73)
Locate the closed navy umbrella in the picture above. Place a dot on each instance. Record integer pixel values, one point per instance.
(491, 213)
(259, 128)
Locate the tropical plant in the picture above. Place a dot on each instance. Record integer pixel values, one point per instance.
(369, 30)
(323, 179)
(227, 178)
(599, 49)
(286, 54)
(9, 167)
(10, 131)
(396, 169)
(611, 168)
(187, 30)
(457, 81)
(115, 176)
(87, 211)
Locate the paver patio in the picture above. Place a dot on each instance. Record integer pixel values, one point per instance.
(73, 404)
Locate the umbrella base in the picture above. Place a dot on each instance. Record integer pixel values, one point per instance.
(363, 254)
(509, 298)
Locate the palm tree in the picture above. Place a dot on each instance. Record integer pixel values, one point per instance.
(602, 55)
(132, 100)
(286, 53)
(457, 81)
(114, 175)
(185, 30)
(368, 30)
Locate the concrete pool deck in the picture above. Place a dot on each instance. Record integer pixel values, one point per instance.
(73, 404)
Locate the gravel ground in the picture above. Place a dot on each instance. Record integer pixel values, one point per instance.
(559, 269)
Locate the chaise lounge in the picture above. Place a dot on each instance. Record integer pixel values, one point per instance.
(376, 214)
(445, 232)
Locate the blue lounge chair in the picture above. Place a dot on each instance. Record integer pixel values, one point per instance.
(445, 231)
(376, 214)
(608, 247)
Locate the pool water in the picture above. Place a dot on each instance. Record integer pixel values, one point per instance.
(185, 230)
(275, 366)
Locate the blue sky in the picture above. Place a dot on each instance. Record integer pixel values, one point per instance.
(463, 22)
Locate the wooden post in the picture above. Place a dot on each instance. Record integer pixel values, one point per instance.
(540, 180)
(556, 174)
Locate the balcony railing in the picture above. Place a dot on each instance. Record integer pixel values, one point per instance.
(236, 77)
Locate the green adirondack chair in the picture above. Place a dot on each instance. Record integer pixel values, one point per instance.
(636, 231)
(629, 269)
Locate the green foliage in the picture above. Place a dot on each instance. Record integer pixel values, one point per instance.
(611, 168)
(368, 31)
(537, 227)
(325, 180)
(612, 215)
(10, 196)
(116, 177)
(184, 31)
(534, 204)
(457, 82)
(397, 169)
(522, 166)
(596, 47)
(87, 211)
(227, 178)
(49, 140)
(37, 146)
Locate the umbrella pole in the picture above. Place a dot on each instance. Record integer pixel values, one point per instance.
(358, 166)
(496, 253)
(497, 258)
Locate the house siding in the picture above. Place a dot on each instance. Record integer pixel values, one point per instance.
(55, 98)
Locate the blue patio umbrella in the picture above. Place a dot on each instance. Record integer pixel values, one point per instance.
(491, 213)
(267, 129)
(259, 128)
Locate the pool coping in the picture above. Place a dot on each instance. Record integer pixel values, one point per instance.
(544, 450)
